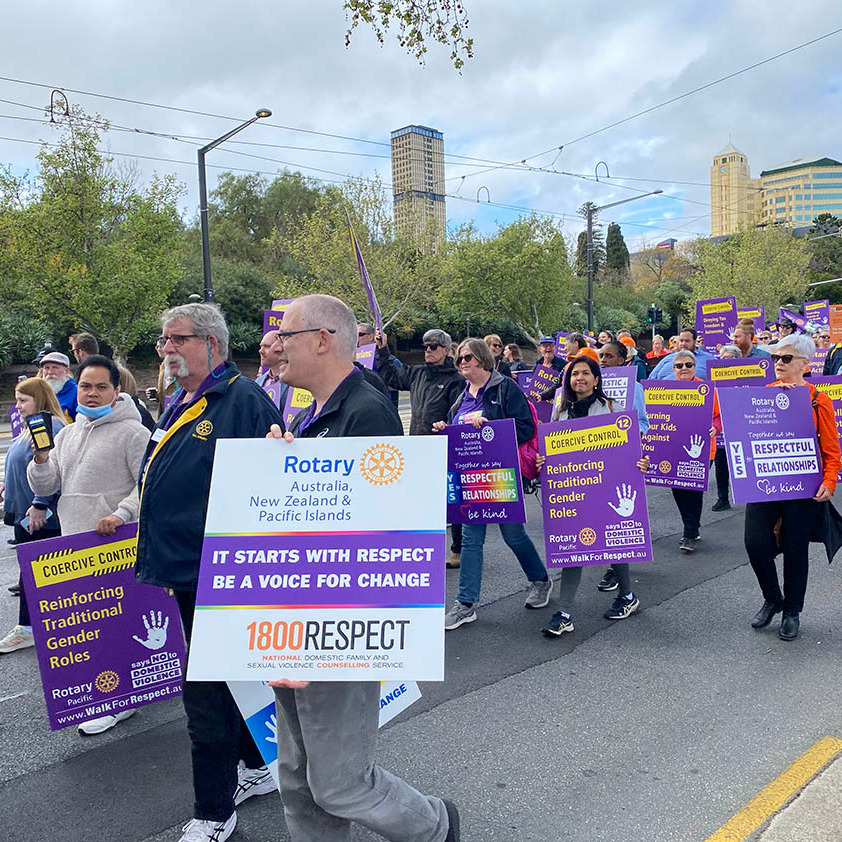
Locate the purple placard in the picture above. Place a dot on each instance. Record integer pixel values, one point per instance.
(273, 317)
(297, 399)
(680, 415)
(273, 389)
(750, 371)
(16, 421)
(592, 492)
(618, 383)
(770, 439)
(756, 314)
(817, 362)
(561, 344)
(817, 312)
(365, 355)
(799, 320)
(483, 474)
(543, 377)
(300, 570)
(716, 319)
(523, 379)
(105, 642)
(831, 385)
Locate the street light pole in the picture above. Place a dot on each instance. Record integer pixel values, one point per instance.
(203, 196)
(591, 210)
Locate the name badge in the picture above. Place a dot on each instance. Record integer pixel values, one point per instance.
(158, 435)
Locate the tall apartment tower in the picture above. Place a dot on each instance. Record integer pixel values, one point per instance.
(418, 182)
(734, 194)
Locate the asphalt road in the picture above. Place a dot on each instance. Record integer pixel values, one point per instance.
(658, 727)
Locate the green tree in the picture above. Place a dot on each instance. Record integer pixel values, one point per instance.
(825, 244)
(616, 251)
(88, 248)
(521, 274)
(761, 266)
(582, 245)
(441, 21)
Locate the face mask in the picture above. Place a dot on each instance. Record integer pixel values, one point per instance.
(94, 412)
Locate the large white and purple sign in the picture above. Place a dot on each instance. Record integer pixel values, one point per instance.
(593, 495)
(680, 416)
(323, 560)
(483, 474)
(770, 439)
(618, 383)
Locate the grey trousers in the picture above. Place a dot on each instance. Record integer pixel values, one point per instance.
(326, 735)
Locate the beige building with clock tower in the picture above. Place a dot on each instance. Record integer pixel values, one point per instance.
(735, 197)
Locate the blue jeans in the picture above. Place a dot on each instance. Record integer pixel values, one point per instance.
(470, 571)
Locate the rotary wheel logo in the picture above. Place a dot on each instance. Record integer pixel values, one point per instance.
(487, 434)
(381, 464)
(587, 536)
(107, 681)
(664, 467)
(782, 401)
(204, 428)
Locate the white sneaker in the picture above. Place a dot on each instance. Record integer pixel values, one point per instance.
(204, 830)
(104, 723)
(17, 638)
(253, 782)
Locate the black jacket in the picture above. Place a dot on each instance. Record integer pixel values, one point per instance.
(373, 378)
(175, 478)
(432, 389)
(354, 409)
(502, 366)
(833, 360)
(502, 398)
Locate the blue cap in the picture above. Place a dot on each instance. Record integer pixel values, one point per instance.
(544, 339)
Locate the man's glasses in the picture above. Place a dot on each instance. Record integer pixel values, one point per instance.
(464, 359)
(684, 365)
(283, 335)
(786, 359)
(361, 335)
(496, 345)
(177, 339)
(431, 346)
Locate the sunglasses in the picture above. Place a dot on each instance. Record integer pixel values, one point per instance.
(431, 346)
(464, 359)
(496, 345)
(786, 359)
(824, 336)
(684, 365)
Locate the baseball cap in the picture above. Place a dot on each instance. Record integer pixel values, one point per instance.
(55, 357)
(440, 337)
(544, 339)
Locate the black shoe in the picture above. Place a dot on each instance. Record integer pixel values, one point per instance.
(764, 616)
(453, 821)
(11, 541)
(687, 545)
(14, 590)
(609, 581)
(789, 627)
(720, 506)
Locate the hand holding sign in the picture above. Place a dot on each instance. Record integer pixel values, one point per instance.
(272, 724)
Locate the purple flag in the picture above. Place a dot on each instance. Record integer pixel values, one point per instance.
(369, 289)
(799, 320)
(483, 474)
(770, 439)
(680, 415)
(105, 642)
(593, 495)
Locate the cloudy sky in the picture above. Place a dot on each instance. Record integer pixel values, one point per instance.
(545, 73)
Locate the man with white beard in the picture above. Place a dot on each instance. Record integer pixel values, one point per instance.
(55, 369)
(212, 401)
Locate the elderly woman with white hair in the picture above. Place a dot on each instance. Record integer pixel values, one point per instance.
(796, 517)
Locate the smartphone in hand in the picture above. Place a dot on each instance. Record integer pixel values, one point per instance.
(41, 429)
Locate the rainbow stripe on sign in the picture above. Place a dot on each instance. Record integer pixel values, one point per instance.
(497, 485)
